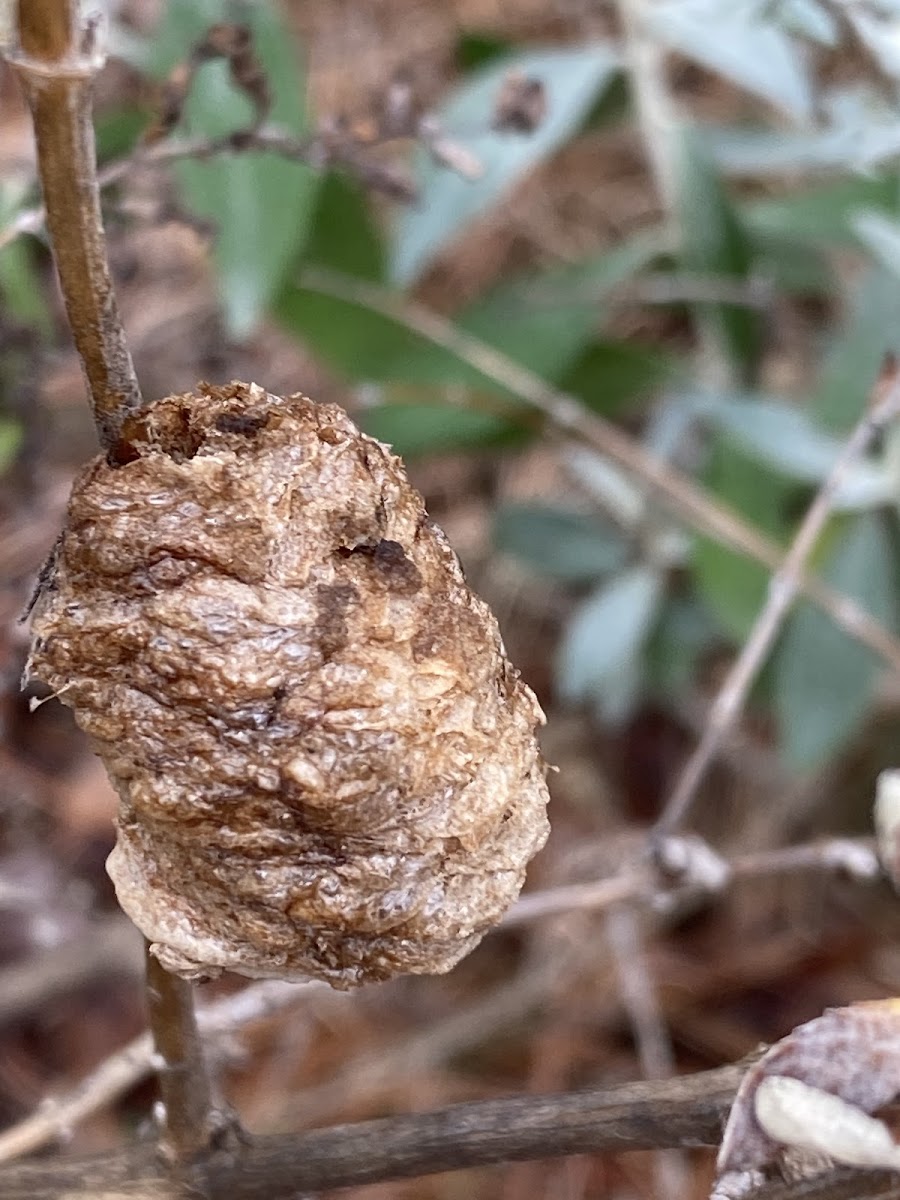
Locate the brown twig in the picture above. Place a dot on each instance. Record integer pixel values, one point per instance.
(784, 587)
(639, 999)
(684, 497)
(191, 1118)
(640, 884)
(686, 1111)
(127, 1067)
(56, 62)
(107, 947)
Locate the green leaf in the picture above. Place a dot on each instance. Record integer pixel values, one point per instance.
(684, 633)
(733, 585)
(116, 132)
(612, 377)
(558, 542)
(364, 345)
(783, 437)
(260, 204)
(880, 235)
(855, 357)
(573, 79)
(740, 46)
(545, 320)
(823, 214)
(810, 19)
(21, 290)
(343, 235)
(542, 321)
(714, 242)
(792, 266)
(10, 440)
(600, 655)
(477, 49)
(741, 150)
(414, 430)
(824, 679)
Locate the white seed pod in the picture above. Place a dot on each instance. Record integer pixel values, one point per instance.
(327, 767)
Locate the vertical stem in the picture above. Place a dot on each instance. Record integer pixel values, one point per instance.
(56, 64)
(184, 1079)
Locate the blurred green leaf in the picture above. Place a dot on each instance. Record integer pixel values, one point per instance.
(572, 78)
(611, 376)
(478, 49)
(117, 130)
(743, 150)
(600, 656)
(792, 266)
(733, 585)
(823, 678)
(343, 235)
(544, 321)
(363, 345)
(10, 440)
(810, 19)
(823, 214)
(855, 356)
(415, 430)
(21, 290)
(714, 242)
(685, 631)
(558, 542)
(541, 321)
(261, 204)
(735, 42)
(880, 235)
(783, 437)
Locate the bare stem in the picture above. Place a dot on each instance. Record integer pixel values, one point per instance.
(784, 587)
(56, 63)
(190, 1115)
(665, 1113)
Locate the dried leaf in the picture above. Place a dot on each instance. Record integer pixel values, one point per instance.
(848, 1062)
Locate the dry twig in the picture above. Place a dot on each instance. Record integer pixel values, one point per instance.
(56, 62)
(784, 587)
(127, 1067)
(685, 1111)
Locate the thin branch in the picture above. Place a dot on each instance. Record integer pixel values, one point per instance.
(56, 64)
(686, 1111)
(639, 999)
(123, 1070)
(191, 1118)
(853, 857)
(108, 947)
(784, 588)
(57, 1116)
(684, 497)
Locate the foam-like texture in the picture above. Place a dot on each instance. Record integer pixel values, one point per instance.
(327, 766)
